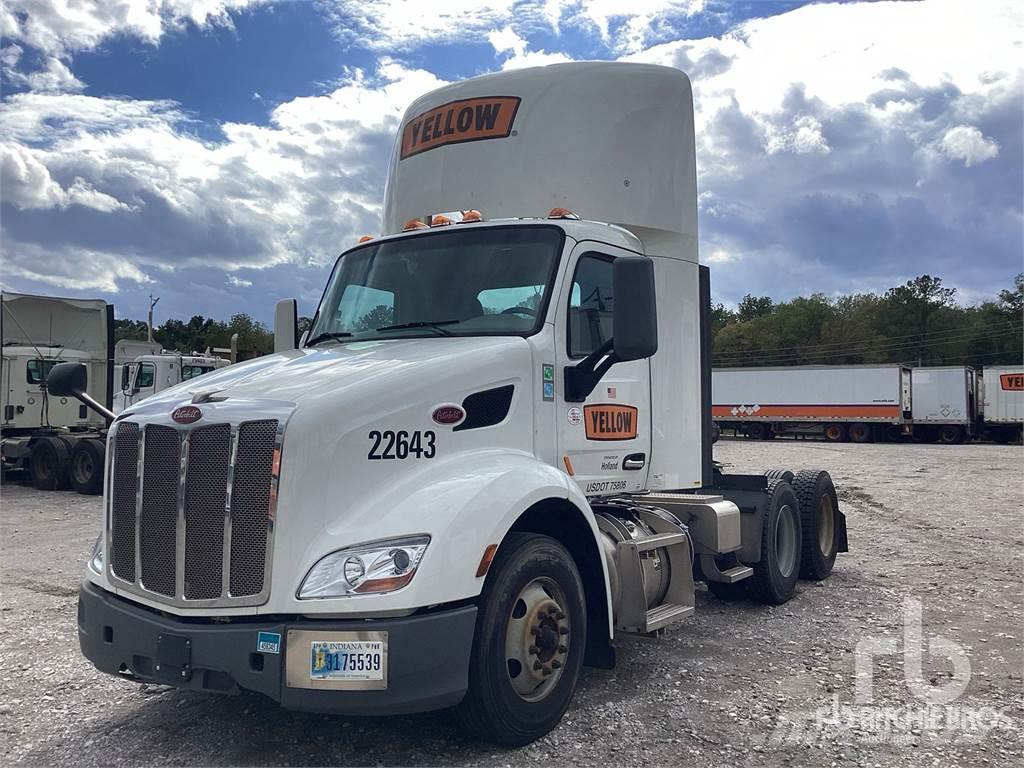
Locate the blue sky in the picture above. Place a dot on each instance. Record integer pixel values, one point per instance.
(221, 154)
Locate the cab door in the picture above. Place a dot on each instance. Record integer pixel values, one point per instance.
(604, 441)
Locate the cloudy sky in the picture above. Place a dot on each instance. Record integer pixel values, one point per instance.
(221, 153)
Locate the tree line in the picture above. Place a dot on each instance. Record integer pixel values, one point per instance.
(917, 323)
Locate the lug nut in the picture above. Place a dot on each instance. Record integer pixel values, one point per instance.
(556, 664)
(559, 615)
(534, 649)
(537, 665)
(563, 649)
(563, 630)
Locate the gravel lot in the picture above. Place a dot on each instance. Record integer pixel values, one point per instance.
(736, 684)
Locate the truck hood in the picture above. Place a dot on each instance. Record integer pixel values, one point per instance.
(302, 376)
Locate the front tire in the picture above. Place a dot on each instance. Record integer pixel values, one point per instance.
(529, 642)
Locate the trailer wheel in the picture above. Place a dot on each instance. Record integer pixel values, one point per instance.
(529, 642)
(48, 464)
(87, 467)
(951, 434)
(756, 431)
(835, 433)
(860, 433)
(819, 507)
(775, 575)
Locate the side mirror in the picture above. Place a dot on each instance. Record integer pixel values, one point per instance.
(634, 328)
(635, 324)
(70, 380)
(286, 325)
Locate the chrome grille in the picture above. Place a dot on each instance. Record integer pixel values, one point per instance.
(196, 529)
(123, 487)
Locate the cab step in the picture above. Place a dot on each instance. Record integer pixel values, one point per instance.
(664, 615)
(729, 575)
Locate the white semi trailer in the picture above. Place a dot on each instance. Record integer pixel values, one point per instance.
(945, 403)
(841, 402)
(490, 457)
(1003, 402)
(57, 439)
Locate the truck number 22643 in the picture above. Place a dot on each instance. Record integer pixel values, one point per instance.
(401, 445)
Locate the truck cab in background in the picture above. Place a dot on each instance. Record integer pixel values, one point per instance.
(489, 457)
(147, 375)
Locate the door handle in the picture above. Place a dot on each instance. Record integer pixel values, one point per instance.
(635, 461)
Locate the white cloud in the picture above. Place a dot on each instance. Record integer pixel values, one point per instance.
(505, 40)
(238, 282)
(57, 29)
(967, 143)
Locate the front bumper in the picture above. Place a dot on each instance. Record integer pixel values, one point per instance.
(428, 655)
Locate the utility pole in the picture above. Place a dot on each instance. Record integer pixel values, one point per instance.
(149, 321)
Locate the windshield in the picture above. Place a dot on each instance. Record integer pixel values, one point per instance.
(471, 282)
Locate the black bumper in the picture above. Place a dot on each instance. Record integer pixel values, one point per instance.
(428, 655)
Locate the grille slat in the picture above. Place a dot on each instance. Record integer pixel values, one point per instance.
(205, 496)
(204, 539)
(250, 504)
(159, 524)
(123, 489)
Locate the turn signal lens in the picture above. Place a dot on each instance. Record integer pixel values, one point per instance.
(440, 221)
(468, 217)
(365, 238)
(562, 213)
(412, 224)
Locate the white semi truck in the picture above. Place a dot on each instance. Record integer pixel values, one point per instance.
(57, 439)
(489, 458)
(146, 375)
(841, 402)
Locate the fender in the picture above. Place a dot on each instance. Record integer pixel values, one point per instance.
(474, 499)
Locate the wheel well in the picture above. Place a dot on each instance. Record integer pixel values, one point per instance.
(562, 521)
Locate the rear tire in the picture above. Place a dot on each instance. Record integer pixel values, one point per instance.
(819, 523)
(48, 464)
(951, 434)
(532, 582)
(835, 433)
(780, 474)
(775, 575)
(756, 431)
(860, 433)
(86, 467)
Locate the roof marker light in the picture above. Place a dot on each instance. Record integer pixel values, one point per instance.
(440, 220)
(412, 224)
(365, 238)
(562, 213)
(470, 216)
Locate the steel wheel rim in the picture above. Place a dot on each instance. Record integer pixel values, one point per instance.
(537, 639)
(785, 541)
(826, 525)
(83, 467)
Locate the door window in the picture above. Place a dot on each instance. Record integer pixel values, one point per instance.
(591, 304)
(144, 377)
(36, 371)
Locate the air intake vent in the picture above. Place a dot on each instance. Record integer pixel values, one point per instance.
(487, 408)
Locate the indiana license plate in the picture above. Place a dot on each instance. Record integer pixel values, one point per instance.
(336, 660)
(347, 660)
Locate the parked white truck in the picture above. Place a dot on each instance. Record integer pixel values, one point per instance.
(841, 402)
(57, 439)
(147, 375)
(489, 458)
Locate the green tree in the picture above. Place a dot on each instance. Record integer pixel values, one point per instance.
(754, 306)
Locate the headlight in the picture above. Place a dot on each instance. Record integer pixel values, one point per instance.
(366, 569)
(96, 558)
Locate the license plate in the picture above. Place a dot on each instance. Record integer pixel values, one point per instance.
(336, 660)
(346, 660)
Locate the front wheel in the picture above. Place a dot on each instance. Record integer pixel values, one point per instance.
(529, 642)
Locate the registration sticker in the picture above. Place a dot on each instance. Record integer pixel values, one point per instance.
(268, 642)
(346, 660)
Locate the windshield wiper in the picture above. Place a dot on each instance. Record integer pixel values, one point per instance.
(434, 325)
(328, 335)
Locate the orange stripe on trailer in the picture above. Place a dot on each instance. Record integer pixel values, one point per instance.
(809, 412)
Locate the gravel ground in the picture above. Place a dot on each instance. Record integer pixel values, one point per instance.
(735, 684)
